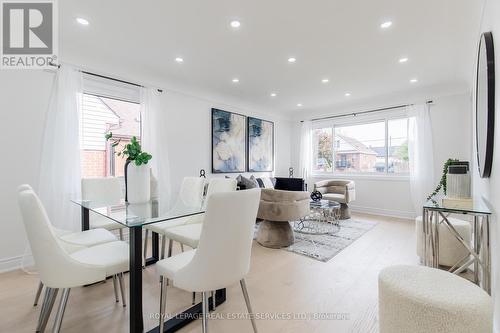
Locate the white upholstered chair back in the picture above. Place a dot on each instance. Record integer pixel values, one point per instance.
(223, 254)
(105, 190)
(191, 192)
(56, 268)
(220, 185)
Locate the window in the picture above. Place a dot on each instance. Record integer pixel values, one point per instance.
(370, 147)
(101, 115)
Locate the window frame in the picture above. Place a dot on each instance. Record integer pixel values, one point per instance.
(360, 120)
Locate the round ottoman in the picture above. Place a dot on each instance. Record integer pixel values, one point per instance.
(414, 299)
(450, 249)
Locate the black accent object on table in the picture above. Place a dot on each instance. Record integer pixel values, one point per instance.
(134, 217)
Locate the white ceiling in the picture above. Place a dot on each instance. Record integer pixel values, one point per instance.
(338, 40)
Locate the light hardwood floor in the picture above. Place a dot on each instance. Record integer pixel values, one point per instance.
(279, 282)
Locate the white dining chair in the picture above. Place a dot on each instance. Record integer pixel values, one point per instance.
(106, 191)
(73, 241)
(59, 269)
(189, 233)
(191, 195)
(223, 254)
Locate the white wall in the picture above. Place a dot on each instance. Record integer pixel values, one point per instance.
(451, 127)
(489, 188)
(23, 104)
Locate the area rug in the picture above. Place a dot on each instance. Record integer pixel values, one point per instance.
(325, 247)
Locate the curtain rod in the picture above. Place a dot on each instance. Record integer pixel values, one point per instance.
(365, 112)
(107, 77)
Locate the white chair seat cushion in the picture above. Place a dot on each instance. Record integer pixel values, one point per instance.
(422, 299)
(161, 227)
(450, 249)
(98, 221)
(188, 234)
(113, 256)
(334, 197)
(90, 237)
(170, 266)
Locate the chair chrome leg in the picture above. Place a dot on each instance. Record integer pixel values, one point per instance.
(38, 292)
(50, 294)
(115, 287)
(60, 310)
(204, 306)
(121, 233)
(170, 244)
(122, 289)
(249, 306)
(163, 241)
(43, 310)
(145, 250)
(193, 301)
(163, 302)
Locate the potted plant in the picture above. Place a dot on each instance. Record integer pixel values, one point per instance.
(137, 174)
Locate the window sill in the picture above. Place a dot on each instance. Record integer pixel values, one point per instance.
(385, 177)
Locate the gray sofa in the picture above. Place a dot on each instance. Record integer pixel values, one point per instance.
(339, 190)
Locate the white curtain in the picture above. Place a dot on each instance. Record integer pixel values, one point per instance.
(155, 142)
(421, 155)
(305, 157)
(60, 174)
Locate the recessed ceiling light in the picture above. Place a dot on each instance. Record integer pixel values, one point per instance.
(299, 105)
(413, 80)
(236, 80)
(274, 94)
(386, 24)
(292, 60)
(402, 60)
(235, 24)
(82, 21)
(325, 80)
(347, 94)
(179, 59)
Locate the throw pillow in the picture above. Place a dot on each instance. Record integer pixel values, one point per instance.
(267, 182)
(247, 183)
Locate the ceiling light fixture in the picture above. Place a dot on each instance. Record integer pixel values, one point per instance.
(274, 94)
(325, 80)
(402, 60)
(179, 59)
(347, 94)
(413, 80)
(82, 21)
(386, 25)
(235, 24)
(299, 105)
(292, 60)
(236, 80)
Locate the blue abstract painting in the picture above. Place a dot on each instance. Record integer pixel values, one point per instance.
(260, 145)
(228, 142)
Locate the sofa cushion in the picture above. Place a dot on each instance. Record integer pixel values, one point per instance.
(265, 182)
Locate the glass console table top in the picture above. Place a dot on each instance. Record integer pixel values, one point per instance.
(134, 215)
(477, 206)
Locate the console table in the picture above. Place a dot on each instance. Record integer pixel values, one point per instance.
(434, 213)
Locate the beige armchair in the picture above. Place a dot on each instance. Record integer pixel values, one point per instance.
(340, 190)
(276, 209)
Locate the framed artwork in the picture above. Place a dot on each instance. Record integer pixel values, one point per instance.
(260, 145)
(228, 142)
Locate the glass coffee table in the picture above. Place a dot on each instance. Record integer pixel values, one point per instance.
(323, 218)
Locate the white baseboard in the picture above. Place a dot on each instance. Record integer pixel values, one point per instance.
(13, 263)
(383, 212)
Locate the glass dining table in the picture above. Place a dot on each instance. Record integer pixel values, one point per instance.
(135, 217)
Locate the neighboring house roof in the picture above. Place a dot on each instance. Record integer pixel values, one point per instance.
(128, 113)
(353, 146)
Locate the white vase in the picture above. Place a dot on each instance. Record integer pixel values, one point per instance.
(138, 183)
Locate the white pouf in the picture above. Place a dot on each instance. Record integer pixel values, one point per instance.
(417, 299)
(450, 249)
